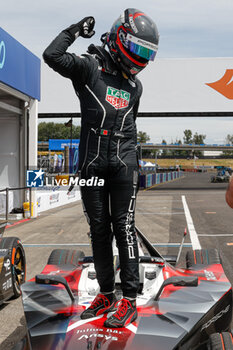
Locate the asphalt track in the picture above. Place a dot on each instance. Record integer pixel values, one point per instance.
(161, 214)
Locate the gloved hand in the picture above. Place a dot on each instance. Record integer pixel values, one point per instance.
(83, 28)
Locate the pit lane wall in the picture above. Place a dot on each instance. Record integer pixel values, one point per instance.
(49, 199)
(148, 180)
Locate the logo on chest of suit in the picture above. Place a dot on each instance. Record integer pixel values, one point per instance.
(119, 99)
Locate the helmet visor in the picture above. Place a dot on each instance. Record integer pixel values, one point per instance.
(141, 47)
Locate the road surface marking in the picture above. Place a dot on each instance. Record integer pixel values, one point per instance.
(55, 245)
(156, 213)
(216, 235)
(191, 228)
(173, 245)
(229, 243)
(157, 200)
(17, 223)
(210, 212)
(39, 245)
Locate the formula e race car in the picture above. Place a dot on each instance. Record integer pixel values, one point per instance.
(220, 177)
(12, 266)
(178, 308)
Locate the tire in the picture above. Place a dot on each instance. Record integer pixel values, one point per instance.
(18, 262)
(202, 257)
(65, 257)
(221, 341)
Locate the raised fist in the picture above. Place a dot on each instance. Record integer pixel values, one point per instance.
(83, 28)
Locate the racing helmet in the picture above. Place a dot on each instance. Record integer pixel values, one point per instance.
(133, 41)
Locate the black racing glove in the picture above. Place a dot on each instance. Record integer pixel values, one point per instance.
(83, 28)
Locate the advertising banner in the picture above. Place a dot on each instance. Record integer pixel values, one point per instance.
(19, 68)
(188, 85)
(60, 144)
(52, 199)
(73, 162)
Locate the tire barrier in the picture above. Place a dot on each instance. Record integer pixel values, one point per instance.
(148, 180)
(192, 170)
(198, 170)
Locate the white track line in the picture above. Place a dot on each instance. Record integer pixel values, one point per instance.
(157, 200)
(154, 213)
(41, 245)
(191, 228)
(216, 235)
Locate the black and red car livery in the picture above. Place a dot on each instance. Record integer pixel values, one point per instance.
(178, 308)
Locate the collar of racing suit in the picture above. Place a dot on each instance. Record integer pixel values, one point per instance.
(104, 57)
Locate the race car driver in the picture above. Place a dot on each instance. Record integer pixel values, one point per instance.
(105, 82)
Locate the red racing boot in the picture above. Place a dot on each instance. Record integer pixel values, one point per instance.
(100, 305)
(125, 314)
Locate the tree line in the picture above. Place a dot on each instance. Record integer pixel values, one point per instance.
(53, 130)
(188, 138)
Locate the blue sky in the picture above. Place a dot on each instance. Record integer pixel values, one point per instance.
(188, 28)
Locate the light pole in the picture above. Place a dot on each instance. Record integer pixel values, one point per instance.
(71, 133)
(69, 124)
(156, 160)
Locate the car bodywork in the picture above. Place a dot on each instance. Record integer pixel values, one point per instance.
(6, 291)
(12, 266)
(220, 178)
(178, 308)
(223, 175)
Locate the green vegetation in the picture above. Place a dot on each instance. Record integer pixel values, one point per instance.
(190, 163)
(229, 140)
(189, 137)
(52, 130)
(142, 137)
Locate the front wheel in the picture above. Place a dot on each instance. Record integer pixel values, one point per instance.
(18, 262)
(202, 257)
(65, 257)
(220, 341)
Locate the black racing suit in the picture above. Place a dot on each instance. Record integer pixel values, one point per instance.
(108, 142)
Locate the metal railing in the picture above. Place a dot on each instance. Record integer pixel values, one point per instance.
(8, 189)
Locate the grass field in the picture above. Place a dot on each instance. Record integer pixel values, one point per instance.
(190, 163)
